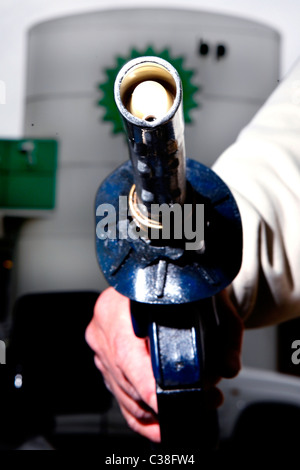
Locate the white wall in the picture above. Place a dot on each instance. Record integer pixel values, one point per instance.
(16, 16)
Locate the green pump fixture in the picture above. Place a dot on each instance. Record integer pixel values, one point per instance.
(28, 174)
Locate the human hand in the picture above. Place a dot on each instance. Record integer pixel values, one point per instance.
(124, 360)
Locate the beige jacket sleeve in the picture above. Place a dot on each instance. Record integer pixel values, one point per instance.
(262, 168)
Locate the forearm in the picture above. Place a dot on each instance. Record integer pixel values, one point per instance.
(263, 170)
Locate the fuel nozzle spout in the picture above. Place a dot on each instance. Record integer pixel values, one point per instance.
(148, 93)
(177, 245)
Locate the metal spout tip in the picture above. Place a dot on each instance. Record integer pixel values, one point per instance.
(165, 86)
(148, 94)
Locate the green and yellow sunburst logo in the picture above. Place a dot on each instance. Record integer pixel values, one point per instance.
(107, 101)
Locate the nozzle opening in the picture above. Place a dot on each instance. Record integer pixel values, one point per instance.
(150, 118)
(148, 91)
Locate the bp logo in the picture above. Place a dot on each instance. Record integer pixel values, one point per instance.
(107, 88)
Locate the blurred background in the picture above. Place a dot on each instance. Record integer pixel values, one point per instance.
(60, 137)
